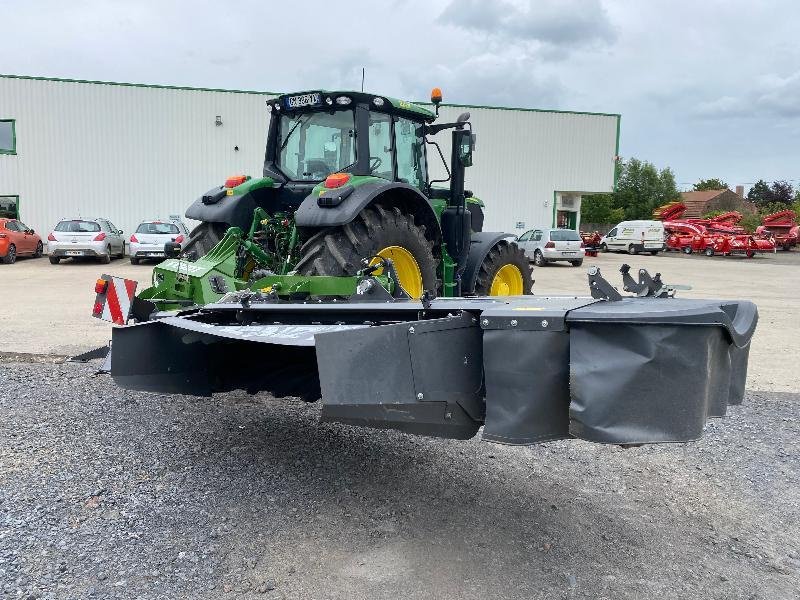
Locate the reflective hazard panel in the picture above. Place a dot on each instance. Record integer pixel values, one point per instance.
(114, 299)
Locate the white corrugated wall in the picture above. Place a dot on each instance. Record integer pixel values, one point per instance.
(131, 152)
(523, 156)
(124, 152)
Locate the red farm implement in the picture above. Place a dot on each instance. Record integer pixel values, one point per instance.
(591, 242)
(720, 234)
(783, 227)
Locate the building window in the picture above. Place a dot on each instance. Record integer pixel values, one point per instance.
(8, 136)
(9, 207)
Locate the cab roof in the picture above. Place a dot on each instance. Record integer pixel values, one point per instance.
(392, 105)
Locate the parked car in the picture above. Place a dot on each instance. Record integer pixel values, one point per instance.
(87, 238)
(634, 237)
(17, 239)
(150, 236)
(544, 246)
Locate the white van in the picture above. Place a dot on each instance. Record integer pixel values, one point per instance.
(634, 237)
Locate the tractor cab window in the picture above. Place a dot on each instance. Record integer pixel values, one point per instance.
(311, 146)
(380, 145)
(410, 144)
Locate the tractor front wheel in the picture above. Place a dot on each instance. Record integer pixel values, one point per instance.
(377, 231)
(203, 238)
(505, 271)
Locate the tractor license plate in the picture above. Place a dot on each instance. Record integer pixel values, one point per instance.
(304, 100)
(74, 252)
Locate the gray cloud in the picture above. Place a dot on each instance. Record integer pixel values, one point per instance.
(491, 79)
(770, 96)
(562, 23)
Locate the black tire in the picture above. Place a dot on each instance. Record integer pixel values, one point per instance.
(54, 260)
(503, 254)
(105, 258)
(687, 249)
(39, 250)
(603, 248)
(339, 250)
(539, 259)
(134, 260)
(632, 249)
(576, 263)
(11, 256)
(653, 252)
(203, 238)
(708, 252)
(787, 248)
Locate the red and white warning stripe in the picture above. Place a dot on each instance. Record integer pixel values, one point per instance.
(114, 299)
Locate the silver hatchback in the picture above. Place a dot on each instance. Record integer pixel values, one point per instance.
(150, 237)
(544, 246)
(85, 238)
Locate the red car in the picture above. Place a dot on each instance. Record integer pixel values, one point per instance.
(17, 239)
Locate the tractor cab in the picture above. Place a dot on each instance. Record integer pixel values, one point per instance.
(315, 134)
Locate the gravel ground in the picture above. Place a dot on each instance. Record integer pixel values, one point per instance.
(110, 493)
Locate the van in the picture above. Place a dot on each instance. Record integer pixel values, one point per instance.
(634, 237)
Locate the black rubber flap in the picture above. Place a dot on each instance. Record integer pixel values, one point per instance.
(638, 384)
(527, 385)
(421, 377)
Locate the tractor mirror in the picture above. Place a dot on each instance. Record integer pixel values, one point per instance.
(465, 151)
(463, 117)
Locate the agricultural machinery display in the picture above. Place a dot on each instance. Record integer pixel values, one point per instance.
(591, 242)
(720, 234)
(344, 275)
(782, 226)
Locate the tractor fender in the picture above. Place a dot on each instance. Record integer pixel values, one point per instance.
(407, 197)
(481, 243)
(236, 210)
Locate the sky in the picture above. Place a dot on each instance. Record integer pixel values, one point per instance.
(709, 88)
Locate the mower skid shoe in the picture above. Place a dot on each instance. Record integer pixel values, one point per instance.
(420, 377)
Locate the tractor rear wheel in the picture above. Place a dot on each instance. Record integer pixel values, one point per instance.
(505, 271)
(203, 238)
(376, 231)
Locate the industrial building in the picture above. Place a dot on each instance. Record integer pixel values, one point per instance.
(130, 152)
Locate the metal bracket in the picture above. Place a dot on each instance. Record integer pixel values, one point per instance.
(369, 289)
(600, 288)
(647, 286)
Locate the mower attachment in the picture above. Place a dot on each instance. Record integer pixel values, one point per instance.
(626, 370)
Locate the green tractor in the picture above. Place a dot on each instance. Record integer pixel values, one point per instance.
(346, 179)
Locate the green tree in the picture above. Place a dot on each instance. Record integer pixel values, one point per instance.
(760, 194)
(642, 187)
(782, 192)
(710, 184)
(599, 208)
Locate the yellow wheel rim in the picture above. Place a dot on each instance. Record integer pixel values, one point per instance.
(406, 266)
(507, 282)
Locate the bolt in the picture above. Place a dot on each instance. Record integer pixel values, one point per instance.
(448, 415)
(410, 330)
(485, 322)
(513, 322)
(544, 323)
(420, 396)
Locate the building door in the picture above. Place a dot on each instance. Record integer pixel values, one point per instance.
(567, 219)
